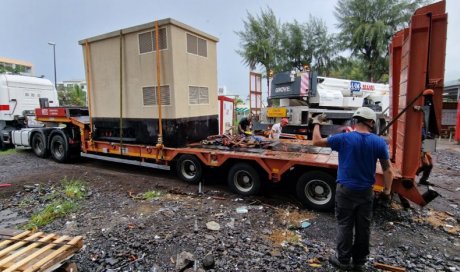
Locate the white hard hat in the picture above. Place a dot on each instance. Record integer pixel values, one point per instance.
(365, 113)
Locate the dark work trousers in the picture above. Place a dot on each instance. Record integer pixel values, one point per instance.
(353, 211)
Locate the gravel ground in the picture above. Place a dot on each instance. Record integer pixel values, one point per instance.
(178, 230)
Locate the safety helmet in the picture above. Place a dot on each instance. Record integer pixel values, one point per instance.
(248, 133)
(284, 121)
(365, 113)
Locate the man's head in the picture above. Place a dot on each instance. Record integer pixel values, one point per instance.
(284, 122)
(366, 116)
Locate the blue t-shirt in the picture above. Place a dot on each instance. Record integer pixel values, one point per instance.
(358, 154)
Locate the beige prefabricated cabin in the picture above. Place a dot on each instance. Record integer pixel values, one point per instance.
(121, 72)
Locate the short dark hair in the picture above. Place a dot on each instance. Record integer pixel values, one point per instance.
(360, 119)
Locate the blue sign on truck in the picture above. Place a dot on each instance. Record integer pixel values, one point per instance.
(355, 86)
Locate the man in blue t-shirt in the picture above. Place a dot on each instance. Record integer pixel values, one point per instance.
(358, 153)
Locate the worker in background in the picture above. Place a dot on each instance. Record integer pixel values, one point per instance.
(358, 153)
(245, 124)
(426, 161)
(425, 168)
(275, 132)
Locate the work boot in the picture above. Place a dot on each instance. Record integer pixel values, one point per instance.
(358, 266)
(342, 266)
(424, 182)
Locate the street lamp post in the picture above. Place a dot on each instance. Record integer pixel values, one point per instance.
(54, 58)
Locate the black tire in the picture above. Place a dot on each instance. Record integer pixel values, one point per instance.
(38, 144)
(3, 146)
(58, 149)
(316, 190)
(244, 179)
(189, 169)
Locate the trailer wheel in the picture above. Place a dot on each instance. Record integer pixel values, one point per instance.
(39, 145)
(189, 169)
(58, 149)
(244, 179)
(316, 190)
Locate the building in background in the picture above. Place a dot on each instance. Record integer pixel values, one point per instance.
(450, 99)
(72, 83)
(13, 65)
(222, 90)
(451, 91)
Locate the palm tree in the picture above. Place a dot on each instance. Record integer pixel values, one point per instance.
(238, 101)
(308, 44)
(72, 96)
(367, 26)
(296, 48)
(260, 41)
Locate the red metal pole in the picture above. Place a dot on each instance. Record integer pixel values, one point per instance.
(457, 127)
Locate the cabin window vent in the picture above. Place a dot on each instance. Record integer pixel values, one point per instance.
(150, 95)
(198, 95)
(147, 41)
(197, 46)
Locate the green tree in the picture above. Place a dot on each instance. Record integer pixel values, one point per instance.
(307, 44)
(72, 96)
(366, 27)
(260, 40)
(238, 101)
(16, 70)
(323, 45)
(349, 68)
(295, 50)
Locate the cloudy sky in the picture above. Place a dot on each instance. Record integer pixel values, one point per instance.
(28, 25)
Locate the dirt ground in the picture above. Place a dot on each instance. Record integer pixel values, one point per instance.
(262, 233)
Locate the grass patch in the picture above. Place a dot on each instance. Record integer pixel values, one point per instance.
(74, 189)
(57, 209)
(27, 202)
(63, 202)
(7, 152)
(150, 195)
(51, 196)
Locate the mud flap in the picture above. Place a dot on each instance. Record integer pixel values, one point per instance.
(430, 195)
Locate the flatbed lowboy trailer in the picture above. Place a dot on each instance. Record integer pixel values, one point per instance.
(313, 169)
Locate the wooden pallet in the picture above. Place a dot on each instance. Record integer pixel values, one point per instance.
(35, 251)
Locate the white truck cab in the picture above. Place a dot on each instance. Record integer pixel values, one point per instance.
(19, 97)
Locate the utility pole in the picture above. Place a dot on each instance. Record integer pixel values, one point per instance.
(54, 58)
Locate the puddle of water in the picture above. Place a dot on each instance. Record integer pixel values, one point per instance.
(11, 219)
(146, 208)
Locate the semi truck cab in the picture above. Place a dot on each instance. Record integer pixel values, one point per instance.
(20, 95)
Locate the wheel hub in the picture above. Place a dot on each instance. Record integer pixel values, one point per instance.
(243, 181)
(318, 192)
(189, 169)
